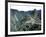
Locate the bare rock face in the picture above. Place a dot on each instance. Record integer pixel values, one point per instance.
(25, 20)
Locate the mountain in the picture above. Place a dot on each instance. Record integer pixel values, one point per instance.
(20, 19)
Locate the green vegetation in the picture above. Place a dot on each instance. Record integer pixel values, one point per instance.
(25, 21)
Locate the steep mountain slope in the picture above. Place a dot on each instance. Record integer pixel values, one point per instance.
(25, 20)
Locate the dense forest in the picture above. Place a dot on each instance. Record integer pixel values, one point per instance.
(25, 20)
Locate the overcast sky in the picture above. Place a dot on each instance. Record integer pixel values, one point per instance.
(25, 8)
